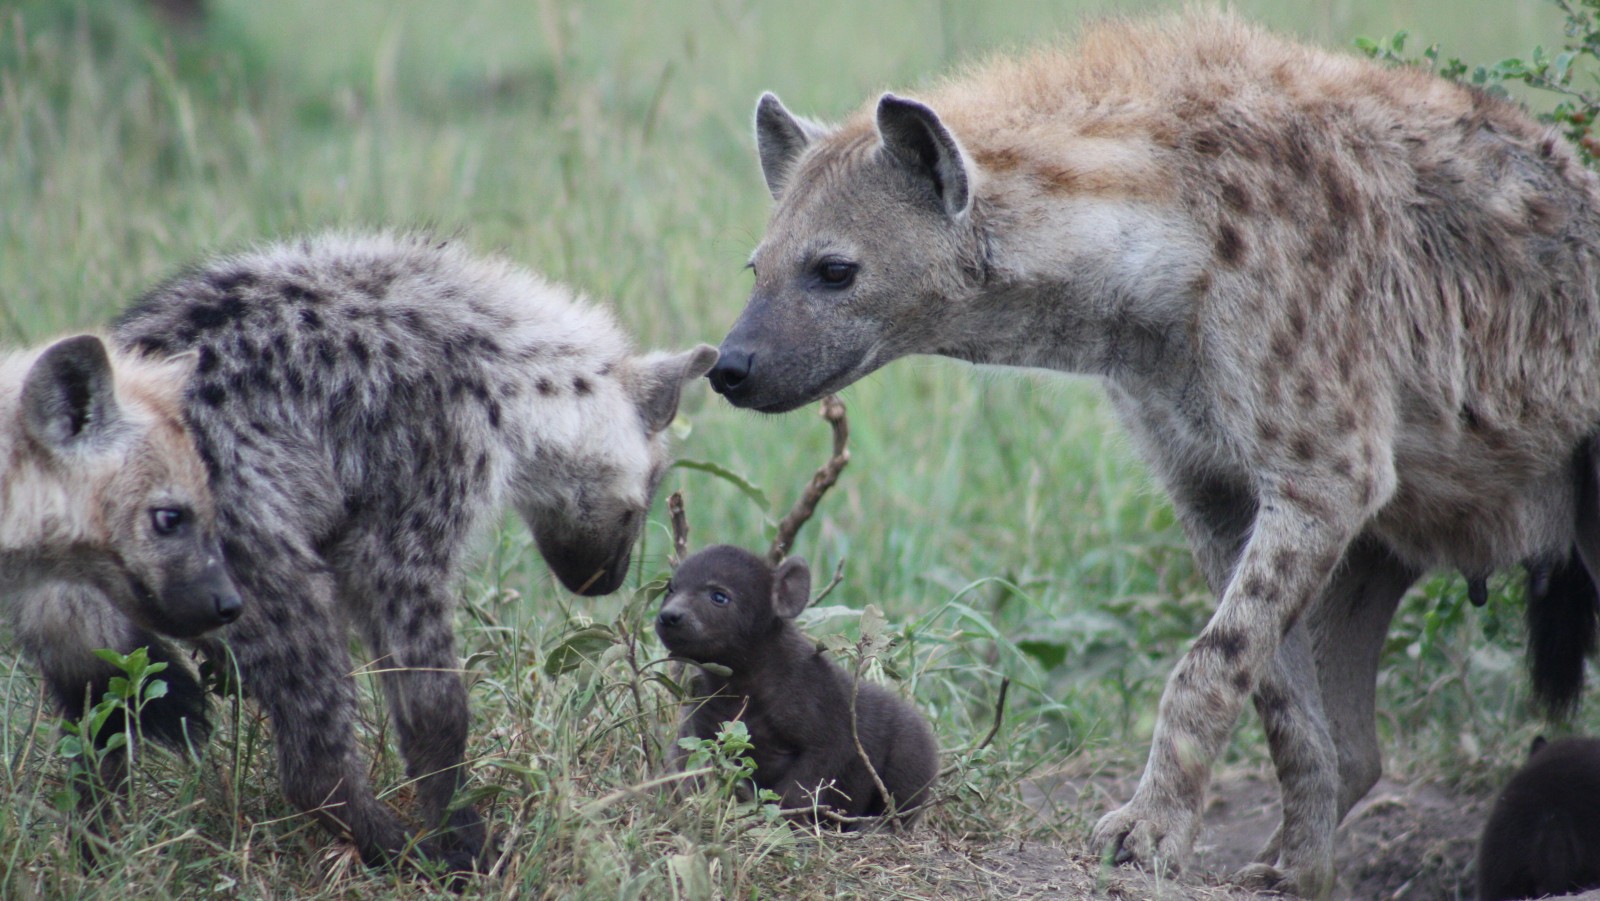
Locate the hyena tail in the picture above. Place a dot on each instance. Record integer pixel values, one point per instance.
(1564, 604)
(1563, 619)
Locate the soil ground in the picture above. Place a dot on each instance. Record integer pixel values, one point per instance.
(1401, 842)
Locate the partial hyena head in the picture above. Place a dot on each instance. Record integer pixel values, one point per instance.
(588, 491)
(115, 468)
(726, 605)
(869, 245)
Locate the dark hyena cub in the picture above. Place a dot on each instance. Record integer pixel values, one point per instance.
(363, 404)
(1543, 836)
(726, 606)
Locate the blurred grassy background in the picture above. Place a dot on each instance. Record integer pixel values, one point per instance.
(999, 519)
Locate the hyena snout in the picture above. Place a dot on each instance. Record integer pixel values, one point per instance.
(728, 377)
(678, 631)
(198, 604)
(585, 569)
(779, 357)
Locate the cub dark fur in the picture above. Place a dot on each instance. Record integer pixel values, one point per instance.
(727, 606)
(1543, 835)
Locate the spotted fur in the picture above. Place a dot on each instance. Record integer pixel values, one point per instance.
(362, 405)
(1348, 312)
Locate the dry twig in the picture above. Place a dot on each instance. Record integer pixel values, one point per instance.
(680, 529)
(789, 527)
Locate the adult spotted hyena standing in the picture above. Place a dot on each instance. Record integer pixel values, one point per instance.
(363, 403)
(1349, 312)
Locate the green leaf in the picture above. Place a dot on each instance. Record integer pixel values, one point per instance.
(1050, 654)
(722, 472)
(570, 653)
(156, 688)
(872, 622)
(692, 872)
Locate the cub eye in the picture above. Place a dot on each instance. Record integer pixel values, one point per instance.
(166, 520)
(836, 273)
(720, 599)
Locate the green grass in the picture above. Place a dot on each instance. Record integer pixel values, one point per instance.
(998, 519)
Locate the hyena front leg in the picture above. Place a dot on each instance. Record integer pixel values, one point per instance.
(1347, 627)
(293, 659)
(1301, 528)
(405, 617)
(1298, 859)
(1217, 514)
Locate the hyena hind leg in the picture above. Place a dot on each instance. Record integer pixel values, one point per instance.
(293, 659)
(407, 628)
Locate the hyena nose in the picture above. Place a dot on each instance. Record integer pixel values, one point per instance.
(227, 606)
(669, 618)
(729, 376)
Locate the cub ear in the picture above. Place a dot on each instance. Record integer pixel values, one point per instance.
(780, 138)
(69, 398)
(913, 135)
(791, 588)
(661, 382)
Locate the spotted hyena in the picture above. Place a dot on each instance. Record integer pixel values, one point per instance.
(363, 404)
(1348, 312)
(102, 493)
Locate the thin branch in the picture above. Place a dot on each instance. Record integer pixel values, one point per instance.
(994, 728)
(789, 527)
(680, 529)
(838, 576)
(889, 800)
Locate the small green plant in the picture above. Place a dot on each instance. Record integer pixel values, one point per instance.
(125, 698)
(1556, 73)
(727, 758)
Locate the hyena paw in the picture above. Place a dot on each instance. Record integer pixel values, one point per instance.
(1306, 882)
(1153, 837)
(459, 850)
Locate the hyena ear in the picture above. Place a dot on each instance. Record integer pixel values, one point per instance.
(661, 381)
(780, 137)
(68, 397)
(913, 134)
(791, 588)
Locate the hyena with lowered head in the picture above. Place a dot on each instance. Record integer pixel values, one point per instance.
(102, 491)
(1348, 312)
(363, 404)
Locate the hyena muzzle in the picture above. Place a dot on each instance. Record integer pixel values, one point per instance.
(1349, 313)
(363, 405)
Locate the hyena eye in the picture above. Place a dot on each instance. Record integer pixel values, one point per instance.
(836, 273)
(166, 520)
(720, 599)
